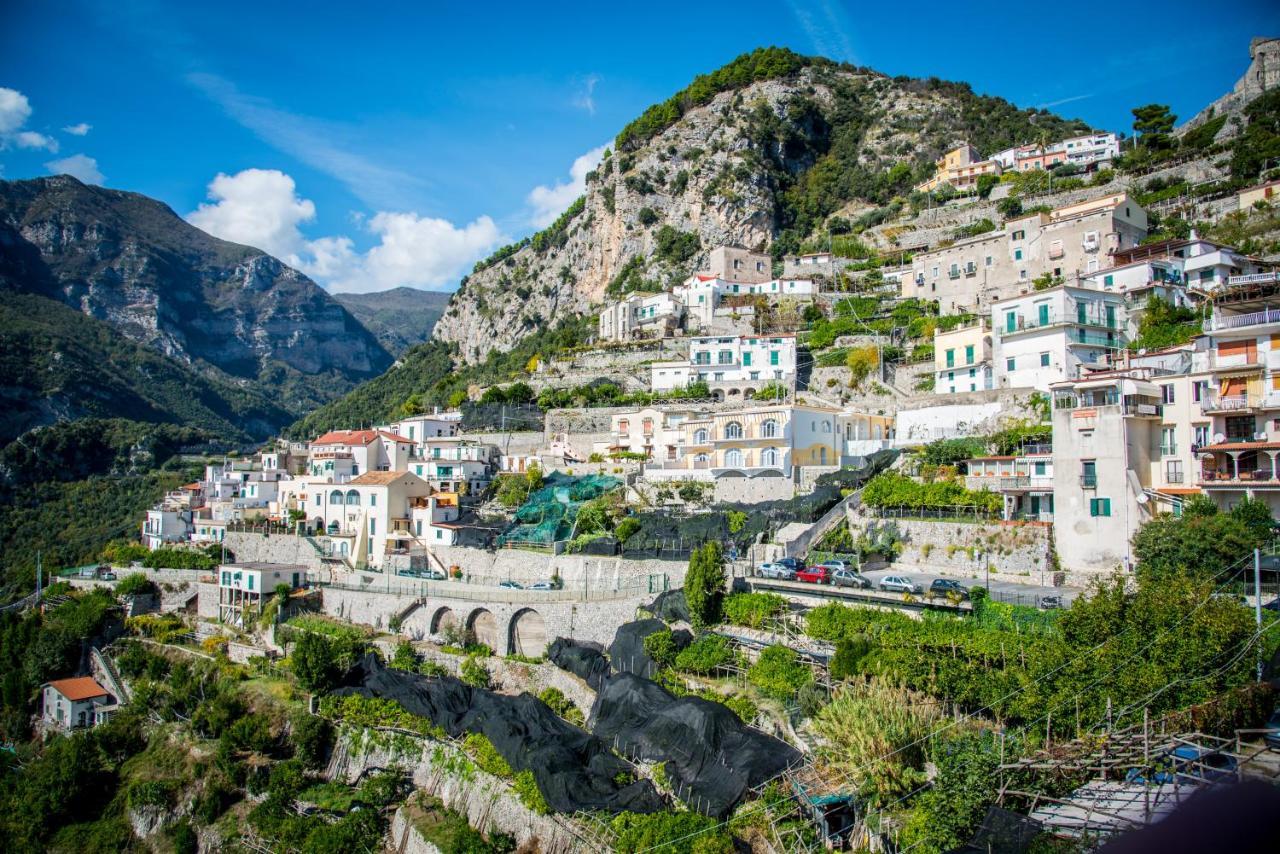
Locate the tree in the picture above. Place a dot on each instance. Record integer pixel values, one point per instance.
(1153, 124)
(704, 584)
(986, 183)
(861, 361)
(1198, 546)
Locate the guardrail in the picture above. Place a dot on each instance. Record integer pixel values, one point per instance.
(506, 595)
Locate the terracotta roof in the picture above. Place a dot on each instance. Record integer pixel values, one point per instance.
(347, 437)
(393, 437)
(377, 478)
(79, 688)
(1242, 446)
(1178, 490)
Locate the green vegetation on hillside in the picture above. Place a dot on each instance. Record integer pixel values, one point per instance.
(57, 363)
(398, 318)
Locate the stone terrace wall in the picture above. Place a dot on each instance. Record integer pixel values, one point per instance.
(1015, 552)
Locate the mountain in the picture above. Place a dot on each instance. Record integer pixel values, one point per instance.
(399, 318)
(759, 153)
(1262, 75)
(229, 313)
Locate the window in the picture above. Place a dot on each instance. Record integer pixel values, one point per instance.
(700, 437)
(1042, 314)
(1009, 364)
(773, 357)
(733, 458)
(1168, 441)
(702, 357)
(353, 498)
(1108, 280)
(746, 360)
(725, 357)
(1201, 435)
(733, 430)
(373, 527)
(1173, 471)
(1166, 393)
(968, 354)
(1099, 506)
(1044, 360)
(1017, 256)
(1206, 275)
(373, 500)
(335, 497)
(1020, 234)
(951, 358)
(1039, 468)
(988, 260)
(769, 429)
(249, 580)
(1089, 473)
(769, 457)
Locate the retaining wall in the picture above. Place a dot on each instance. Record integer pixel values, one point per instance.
(1019, 553)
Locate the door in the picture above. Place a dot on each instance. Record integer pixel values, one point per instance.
(1042, 313)
(1111, 317)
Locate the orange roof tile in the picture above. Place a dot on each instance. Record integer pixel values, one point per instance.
(347, 437)
(79, 688)
(377, 478)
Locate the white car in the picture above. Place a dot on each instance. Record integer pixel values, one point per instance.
(776, 570)
(900, 584)
(541, 585)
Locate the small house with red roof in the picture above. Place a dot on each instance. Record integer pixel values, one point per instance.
(75, 703)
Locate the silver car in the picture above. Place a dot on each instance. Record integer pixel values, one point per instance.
(900, 584)
(780, 571)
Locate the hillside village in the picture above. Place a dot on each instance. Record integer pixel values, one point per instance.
(952, 523)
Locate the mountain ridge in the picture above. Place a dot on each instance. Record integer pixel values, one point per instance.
(399, 317)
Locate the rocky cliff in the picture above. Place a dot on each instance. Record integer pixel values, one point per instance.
(758, 154)
(398, 318)
(1262, 75)
(131, 261)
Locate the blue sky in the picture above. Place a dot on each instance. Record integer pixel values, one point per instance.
(394, 143)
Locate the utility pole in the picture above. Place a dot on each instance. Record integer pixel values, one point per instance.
(39, 576)
(1257, 602)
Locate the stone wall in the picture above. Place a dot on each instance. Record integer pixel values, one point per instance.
(273, 548)
(752, 490)
(484, 799)
(970, 413)
(1019, 553)
(207, 601)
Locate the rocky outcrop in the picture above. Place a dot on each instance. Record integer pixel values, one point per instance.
(131, 261)
(1262, 74)
(721, 174)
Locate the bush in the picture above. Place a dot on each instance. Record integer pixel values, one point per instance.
(661, 647)
(486, 756)
(526, 787)
(704, 584)
(705, 654)
(849, 653)
(667, 833)
(474, 673)
(753, 609)
(779, 673)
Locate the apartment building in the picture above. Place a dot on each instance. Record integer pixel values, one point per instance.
(433, 425)
(1236, 371)
(1095, 149)
(732, 366)
(366, 513)
(641, 315)
(351, 453)
(962, 358)
(772, 441)
(243, 588)
(1204, 264)
(1053, 334)
(961, 167)
(1069, 243)
(1024, 480)
(658, 433)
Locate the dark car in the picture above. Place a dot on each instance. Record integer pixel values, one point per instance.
(850, 578)
(1049, 603)
(1272, 737)
(814, 575)
(948, 587)
(790, 563)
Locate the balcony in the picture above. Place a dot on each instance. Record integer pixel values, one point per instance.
(1030, 324)
(1088, 339)
(1218, 322)
(1089, 481)
(999, 483)
(1244, 479)
(1227, 403)
(1254, 279)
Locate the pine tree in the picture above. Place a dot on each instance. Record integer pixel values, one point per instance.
(704, 584)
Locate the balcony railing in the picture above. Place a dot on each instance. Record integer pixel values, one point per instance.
(1239, 321)
(1227, 403)
(1088, 481)
(1225, 478)
(1254, 278)
(1173, 476)
(1092, 340)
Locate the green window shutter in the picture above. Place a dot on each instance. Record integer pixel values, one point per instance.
(746, 359)
(1108, 280)
(951, 358)
(1010, 322)
(1042, 312)
(968, 354)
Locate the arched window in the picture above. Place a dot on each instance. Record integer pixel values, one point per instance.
(770, 457)
(701, 458)
(700, 437)
(733, 458)
(353, 498)
(335, 497)
(769, 429)
(733, 430)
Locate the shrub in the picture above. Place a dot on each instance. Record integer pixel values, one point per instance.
(486, 756)
(705, 654)
(136, 584)
(561, 705)
(753, 609)
(704, 584)
(647, 216)
(779, 673)
(474, 673)
(526, 787)
(661, 647)
(667, 832)
(849, 653)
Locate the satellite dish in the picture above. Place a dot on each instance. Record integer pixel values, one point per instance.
(1260, 436)
(1218, 438)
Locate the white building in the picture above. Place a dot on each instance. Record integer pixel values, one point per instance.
(641, 315)
(658, 433)
(243, 588)
(77, 703)
(1024, 480)
(962, 358)
(434, 425)
(351, 453)
(165, 525)
(1049, 335)
(732, 366)
(362, 516)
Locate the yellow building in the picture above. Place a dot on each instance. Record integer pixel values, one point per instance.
(961, 167)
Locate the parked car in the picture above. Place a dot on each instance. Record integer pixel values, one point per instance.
(511, 585)
(814, 575)
(1049, 603)
(541, 585)
(849, 578)
(1190, 764)
(108, 576)
(776, 570)
(947, 587)
(1272, 737)
(900, 584)
(790, 563)
(835, 563)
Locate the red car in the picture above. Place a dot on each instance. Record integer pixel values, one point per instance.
(815, 575)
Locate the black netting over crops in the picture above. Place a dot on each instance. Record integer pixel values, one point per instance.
(626, 653)
(584, 660)
(673, 536)
(574, 770)
(671, 607)
(712, 758)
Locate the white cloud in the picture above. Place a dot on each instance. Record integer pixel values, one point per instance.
(15, 109)
(547, 203)
(585, 99)
(78, 130)
(256, 207)
(413, 251)
(262, 208)
(31, 139)
(78, 166)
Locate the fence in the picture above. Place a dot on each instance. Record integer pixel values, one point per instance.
(480, 592)
(947, 513)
